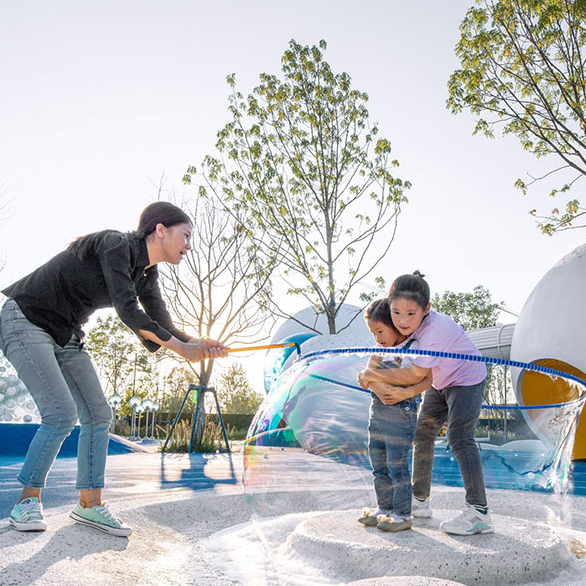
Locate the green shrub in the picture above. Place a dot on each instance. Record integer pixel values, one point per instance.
(212, 439)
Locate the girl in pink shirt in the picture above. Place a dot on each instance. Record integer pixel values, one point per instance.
(455, 397)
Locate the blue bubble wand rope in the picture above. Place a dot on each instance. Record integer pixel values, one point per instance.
(453, 355)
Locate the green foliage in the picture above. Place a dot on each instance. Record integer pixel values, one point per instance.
(470, 310)
(235, 393)
(522, 67)
(212, 439)
(301, 161)
(125, 410)
(120, 358)
(175, 386)
(499, 437)
(499, 388)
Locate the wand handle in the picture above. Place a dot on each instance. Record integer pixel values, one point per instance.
(265, 347)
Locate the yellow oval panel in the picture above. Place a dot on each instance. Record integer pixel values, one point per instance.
(538, 389)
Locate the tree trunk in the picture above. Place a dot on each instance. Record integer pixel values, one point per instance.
(330, 313)
(200, 423)
(204, 379)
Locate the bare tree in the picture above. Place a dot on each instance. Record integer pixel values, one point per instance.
(221, 287)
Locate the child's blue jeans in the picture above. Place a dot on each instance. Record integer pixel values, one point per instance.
(391, 429)
(65, 387)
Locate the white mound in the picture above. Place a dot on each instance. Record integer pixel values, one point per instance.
(519, 551)
(405, 581)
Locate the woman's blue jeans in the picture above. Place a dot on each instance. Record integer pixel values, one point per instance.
(460, 407)
(390, 433)
(65, 388)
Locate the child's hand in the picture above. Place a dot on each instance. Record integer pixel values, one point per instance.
(378, 389)
(389, 394)
(362, 380)
(367, 377)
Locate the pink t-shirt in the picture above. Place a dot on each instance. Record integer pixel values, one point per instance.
(441, 333)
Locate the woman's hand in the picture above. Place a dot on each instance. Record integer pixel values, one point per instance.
(198, 349)
(214, 348)
(195, 350)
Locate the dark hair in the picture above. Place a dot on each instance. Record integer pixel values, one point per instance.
(379, 310)
(160, 212)
(413, 287)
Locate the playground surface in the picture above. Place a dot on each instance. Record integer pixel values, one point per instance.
(195, 525)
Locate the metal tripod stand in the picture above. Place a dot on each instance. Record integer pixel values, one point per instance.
(199, 389)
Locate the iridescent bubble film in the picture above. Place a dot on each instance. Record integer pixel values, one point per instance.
(276, 359)
(311, 432)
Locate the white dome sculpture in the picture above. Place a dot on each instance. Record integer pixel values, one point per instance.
(551, 332)
(348, 321)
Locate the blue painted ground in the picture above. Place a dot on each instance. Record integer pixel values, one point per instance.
(497, 475)
(152, 472)
(16, 437)
(129, 476)
(503, 469)
(14, 441)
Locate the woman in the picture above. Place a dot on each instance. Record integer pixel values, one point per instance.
(41, 335)
(456, 396)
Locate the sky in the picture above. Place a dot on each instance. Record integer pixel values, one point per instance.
(101, 99)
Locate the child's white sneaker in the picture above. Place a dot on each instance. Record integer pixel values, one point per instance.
(421, 508)
(393, 523)
(369, 517)
(469, 522)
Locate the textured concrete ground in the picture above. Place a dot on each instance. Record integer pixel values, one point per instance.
(194, 525)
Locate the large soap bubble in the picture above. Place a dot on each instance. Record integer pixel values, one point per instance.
(277, 357)
(310, 435)
(307, 478)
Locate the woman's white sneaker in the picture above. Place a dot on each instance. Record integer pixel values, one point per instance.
(102, 518)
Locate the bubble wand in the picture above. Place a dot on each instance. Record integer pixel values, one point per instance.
(267, 347)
